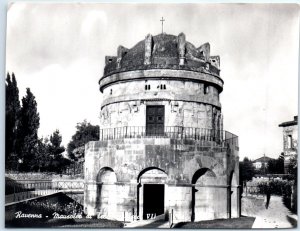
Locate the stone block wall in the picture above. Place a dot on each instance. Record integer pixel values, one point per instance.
(171, 162)
(179, 202)
(210, 203)
(191, 99)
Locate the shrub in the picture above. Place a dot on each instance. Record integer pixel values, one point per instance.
(282, 188)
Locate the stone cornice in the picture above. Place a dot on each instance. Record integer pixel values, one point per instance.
(177, 75)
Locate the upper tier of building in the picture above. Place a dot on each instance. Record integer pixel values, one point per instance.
(163, 51)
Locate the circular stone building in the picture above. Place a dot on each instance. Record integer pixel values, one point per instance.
(162, 151)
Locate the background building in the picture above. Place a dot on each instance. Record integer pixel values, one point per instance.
(290, 140)
(162, 148)
(261, 163)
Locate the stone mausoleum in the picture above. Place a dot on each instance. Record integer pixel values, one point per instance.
(162, 151)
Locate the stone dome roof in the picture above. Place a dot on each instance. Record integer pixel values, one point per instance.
(163, 51)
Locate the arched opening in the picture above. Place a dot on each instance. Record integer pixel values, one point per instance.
(151, 202)
(233, 195)
(202, 208)
(106, 174)
(106, 192)
(146, 170)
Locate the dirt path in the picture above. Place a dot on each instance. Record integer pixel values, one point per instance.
(273, 217)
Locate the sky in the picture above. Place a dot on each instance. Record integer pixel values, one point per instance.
(58, 51)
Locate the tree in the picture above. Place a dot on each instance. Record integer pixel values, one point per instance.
(271, 169)
(293, 168)
(42, 155)
(276, 166)
(27, 137)
(85, 132)
(12, 109)
(55, 150)
(247, 170)
(281, 156)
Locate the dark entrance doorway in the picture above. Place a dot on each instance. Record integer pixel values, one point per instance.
(155, 119)
(154, 200)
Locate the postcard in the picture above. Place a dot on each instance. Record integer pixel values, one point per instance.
(127, 115)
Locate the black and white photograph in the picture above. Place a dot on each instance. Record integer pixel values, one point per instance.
(151, 115)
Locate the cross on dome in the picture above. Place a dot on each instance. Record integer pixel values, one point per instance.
(162, 24)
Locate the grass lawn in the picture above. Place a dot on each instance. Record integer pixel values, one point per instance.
(234, 223)
(87, 223)
(64, 223)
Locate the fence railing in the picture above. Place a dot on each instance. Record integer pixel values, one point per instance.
(17, 190)
(31, 185)
(175, 132)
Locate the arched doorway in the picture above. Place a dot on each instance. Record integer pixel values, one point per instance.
(151, 201)
(106, 193)
(202, 196)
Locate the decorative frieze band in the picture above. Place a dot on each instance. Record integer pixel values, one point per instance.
(120, 99)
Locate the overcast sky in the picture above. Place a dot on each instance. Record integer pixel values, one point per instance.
(58, 50)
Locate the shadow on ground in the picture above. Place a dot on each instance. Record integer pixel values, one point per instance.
(154, 224)
(292, 220)
(234, 223)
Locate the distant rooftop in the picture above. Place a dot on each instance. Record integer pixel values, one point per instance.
(263, 159)
(289, 123)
